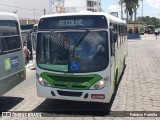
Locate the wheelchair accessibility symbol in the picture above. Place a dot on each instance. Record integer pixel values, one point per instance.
(74, 66)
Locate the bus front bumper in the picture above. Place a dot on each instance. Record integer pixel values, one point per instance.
(102, 95)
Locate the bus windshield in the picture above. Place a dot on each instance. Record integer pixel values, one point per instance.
(73, 51)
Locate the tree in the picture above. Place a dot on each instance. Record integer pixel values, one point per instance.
(130, 7)
(126, 3)
(135, 7)
(149, 21)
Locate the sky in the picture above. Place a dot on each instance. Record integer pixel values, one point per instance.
(34, 8)
(31, 8)
(150, 7)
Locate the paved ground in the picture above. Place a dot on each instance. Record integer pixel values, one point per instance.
(30, 65)
(138, 90)
(140, 85)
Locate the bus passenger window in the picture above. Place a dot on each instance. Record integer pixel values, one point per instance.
(119, 29)
(120, 35)
(123, 34)
(112, 43)
(0, 46)
(117, 35)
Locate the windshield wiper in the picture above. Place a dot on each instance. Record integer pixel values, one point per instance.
(55, 35)
(80, 40)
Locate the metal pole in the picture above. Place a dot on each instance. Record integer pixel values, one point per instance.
(34, 16)
(121, 11)
(44, 11)
(142, 8)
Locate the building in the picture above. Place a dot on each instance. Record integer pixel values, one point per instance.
(82, 5)
(28, 21)
(56, 6)
(133, 30)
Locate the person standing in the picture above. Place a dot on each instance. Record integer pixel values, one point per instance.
(26, 53)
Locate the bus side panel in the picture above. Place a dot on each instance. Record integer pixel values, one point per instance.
(12, 71)
(10, 82)
(118, 57)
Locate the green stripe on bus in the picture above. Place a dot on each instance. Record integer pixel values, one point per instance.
(115, 75)
(77, 82)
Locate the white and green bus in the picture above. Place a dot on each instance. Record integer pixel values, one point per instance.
(12, 67)
(80, 56)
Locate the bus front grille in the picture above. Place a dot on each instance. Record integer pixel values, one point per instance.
(69, 93)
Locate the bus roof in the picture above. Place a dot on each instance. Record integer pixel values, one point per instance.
(107, 15)
(8, 16)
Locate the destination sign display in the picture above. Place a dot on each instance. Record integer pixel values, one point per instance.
(70, 22)
(64, 23)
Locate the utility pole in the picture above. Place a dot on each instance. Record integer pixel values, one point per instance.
(121, 11)
(44, 11)
(142, 11)
(34, 16)
(142, 8)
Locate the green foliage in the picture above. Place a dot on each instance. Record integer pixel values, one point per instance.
(149, 21)
(131, 6)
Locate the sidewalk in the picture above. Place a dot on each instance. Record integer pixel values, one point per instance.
(30, 65)
(150, 37)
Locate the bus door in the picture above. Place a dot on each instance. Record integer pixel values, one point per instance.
(33, 40)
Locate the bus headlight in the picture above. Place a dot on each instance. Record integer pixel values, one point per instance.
(100, 84)
(42, 81)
